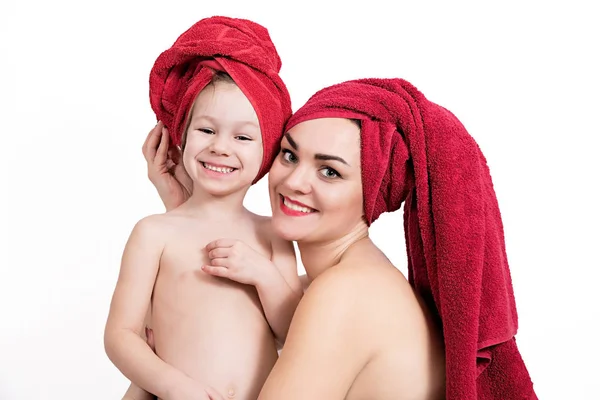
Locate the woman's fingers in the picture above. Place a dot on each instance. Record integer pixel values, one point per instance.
(213, 394)
(150, 338)
(151, 142)
(163, 148)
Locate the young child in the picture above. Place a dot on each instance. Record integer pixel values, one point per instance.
(221, 286)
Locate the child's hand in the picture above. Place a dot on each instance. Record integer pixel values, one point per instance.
(165, 168)
(235, 260)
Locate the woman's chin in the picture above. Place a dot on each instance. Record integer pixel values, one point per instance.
(285, 231)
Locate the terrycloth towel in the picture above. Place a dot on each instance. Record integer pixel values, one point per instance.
(241, 48)
(415, 151)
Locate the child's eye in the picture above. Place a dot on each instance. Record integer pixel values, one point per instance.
(330, 173)
(208, 131)
(243, 138)
(288, 156)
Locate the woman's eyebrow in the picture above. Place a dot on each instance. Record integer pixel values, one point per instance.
(292, 142)
(318, 156)
(327, 157)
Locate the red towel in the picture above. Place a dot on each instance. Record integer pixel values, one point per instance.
(241, 48)
(417, 152)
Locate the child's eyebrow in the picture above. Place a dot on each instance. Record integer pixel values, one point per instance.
(206, 117)
(215, 120)
(251, 123)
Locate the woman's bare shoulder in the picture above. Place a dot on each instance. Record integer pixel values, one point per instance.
(373, 289)
(358, 284)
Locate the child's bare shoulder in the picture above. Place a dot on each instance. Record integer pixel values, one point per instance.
(155, 225)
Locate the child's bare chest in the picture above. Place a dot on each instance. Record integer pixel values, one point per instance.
(185, 250)
(184, 290)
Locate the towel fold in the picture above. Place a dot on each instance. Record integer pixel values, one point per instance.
(417, 152)
(241, 48)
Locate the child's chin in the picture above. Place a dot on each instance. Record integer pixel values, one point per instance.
(224, 188)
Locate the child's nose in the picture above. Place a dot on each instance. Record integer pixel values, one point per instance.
(220, 145)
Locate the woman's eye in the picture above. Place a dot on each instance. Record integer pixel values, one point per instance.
(328, 172)
(288, 156)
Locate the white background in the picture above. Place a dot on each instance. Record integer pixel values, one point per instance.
(75, 111)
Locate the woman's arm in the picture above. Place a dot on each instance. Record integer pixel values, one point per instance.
(327, 345)
(135, 392)
(123, 343)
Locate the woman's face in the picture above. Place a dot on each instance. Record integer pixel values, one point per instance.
(315, 183)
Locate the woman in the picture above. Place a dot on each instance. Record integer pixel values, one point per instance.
(361, 331)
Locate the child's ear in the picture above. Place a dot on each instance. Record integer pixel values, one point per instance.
(175, 154)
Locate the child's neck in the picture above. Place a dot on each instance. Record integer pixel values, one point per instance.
(227, 207)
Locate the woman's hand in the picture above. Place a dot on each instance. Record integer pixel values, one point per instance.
(165, 168)
(150, 338)
(192, 390)
(235, 260)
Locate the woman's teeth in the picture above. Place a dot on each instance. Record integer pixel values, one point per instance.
(223, 170)
(296, 207)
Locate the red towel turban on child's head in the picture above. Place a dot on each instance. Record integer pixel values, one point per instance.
(241, 48)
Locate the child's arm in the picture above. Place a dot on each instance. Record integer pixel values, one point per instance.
(134, 392)
(122, 340)
(280, 299)
(276, 279)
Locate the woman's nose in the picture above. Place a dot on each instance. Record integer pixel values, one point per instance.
(299, 180)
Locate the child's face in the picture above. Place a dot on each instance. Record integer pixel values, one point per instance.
(223, 150)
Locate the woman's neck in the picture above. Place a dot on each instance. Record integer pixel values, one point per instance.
(320, 256)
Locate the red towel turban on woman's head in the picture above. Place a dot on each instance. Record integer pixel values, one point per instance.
(417, 152)
(241, 48)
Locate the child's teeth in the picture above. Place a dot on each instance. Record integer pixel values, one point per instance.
(223, 170)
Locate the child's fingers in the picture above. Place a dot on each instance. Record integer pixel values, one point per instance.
(219, 252)
(216, 271)
(220, 262)
(220, 243)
